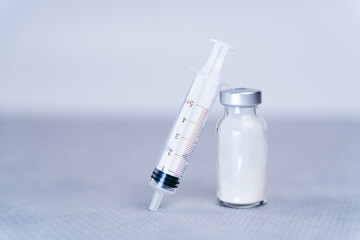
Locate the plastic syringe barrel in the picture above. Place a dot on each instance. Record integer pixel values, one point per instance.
(195, 109)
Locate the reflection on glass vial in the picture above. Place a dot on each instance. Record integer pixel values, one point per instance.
(242, 150)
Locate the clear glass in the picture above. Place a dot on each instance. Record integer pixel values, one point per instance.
(242, 158)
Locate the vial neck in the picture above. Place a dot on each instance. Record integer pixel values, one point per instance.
(235, 110)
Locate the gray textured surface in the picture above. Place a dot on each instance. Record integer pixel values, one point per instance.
(77, 179)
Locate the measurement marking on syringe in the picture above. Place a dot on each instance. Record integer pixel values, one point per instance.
(172, 172)
(185, 139)
(193, 122)
(178, 155)
(201, 106)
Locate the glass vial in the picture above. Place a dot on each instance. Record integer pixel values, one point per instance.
(242, 150)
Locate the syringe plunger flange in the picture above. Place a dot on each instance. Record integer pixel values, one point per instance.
(213, 65)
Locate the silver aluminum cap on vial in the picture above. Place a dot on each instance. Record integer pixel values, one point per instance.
(242, 97)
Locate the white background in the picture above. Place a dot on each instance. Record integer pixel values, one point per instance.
(122, 58)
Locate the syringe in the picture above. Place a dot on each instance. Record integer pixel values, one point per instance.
(187, 126)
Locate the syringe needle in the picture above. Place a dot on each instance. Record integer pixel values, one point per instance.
(156, 200)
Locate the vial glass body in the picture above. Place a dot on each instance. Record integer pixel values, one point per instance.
(242, 157)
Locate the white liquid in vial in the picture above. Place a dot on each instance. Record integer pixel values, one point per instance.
(242, 159)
